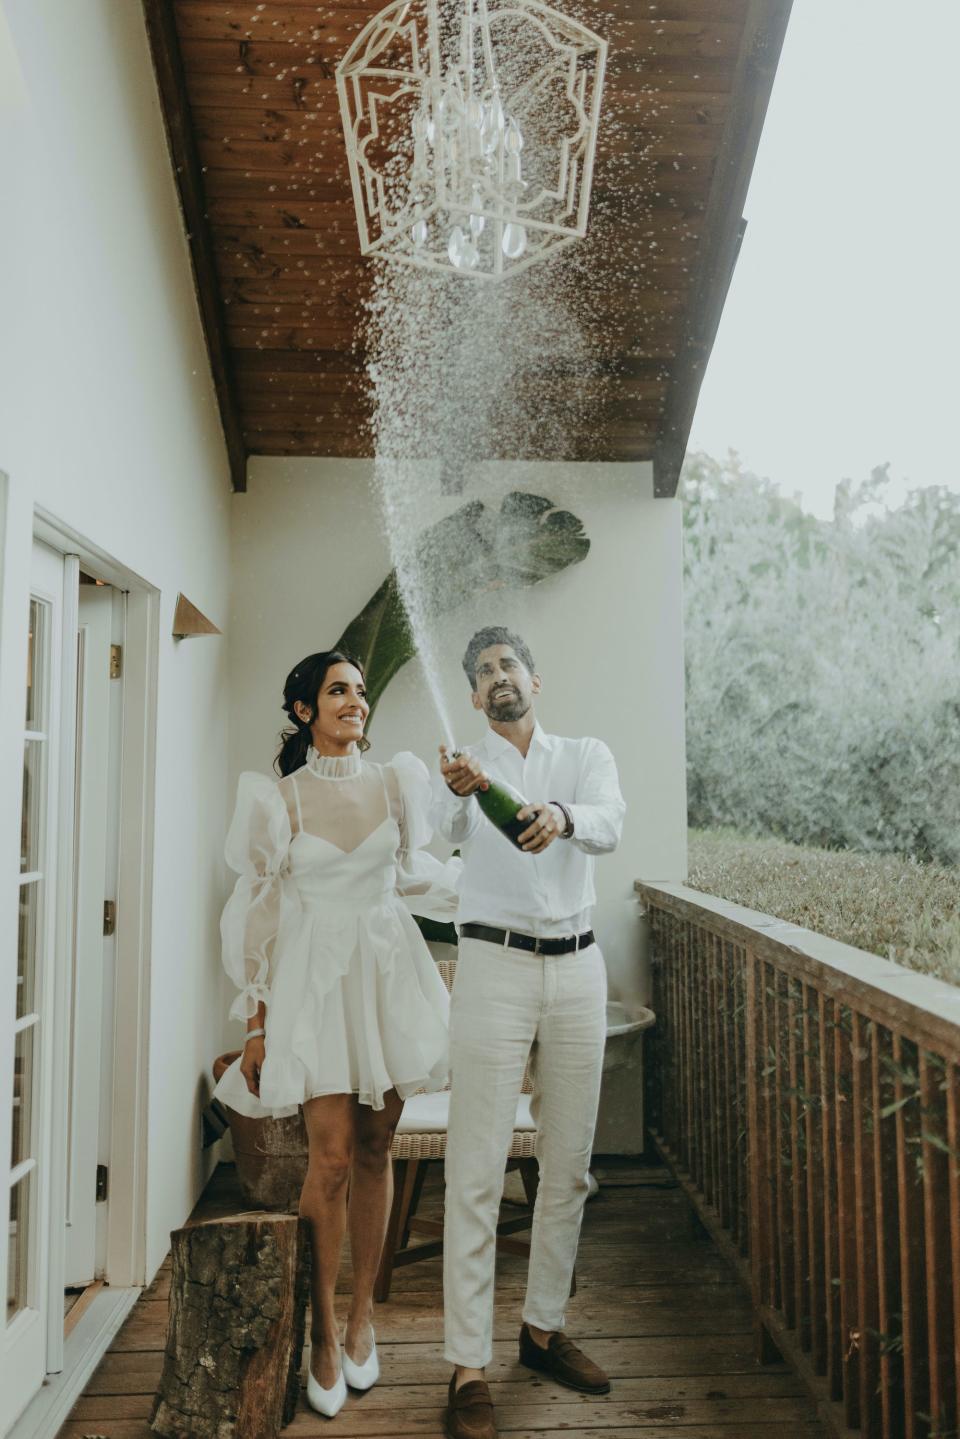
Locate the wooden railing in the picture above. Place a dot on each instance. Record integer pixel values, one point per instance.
(805, 1094)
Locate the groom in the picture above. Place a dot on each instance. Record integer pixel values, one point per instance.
(529, 971)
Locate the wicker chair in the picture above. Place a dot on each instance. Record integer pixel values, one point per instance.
(421, 1139)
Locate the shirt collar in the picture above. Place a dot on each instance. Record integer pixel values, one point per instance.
(495, 744)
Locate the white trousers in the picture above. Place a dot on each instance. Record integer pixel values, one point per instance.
(504, 1001)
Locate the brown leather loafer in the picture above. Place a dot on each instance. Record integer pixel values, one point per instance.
(563, 1361)
(469, 1411)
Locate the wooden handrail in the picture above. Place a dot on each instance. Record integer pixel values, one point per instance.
(806, 1094)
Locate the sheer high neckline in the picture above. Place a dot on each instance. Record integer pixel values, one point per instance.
(334, 766)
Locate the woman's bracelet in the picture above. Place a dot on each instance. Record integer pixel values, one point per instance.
(254, 1034)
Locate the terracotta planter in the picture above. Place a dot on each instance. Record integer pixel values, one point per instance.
(271, 1154)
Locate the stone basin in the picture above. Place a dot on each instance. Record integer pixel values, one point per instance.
(620, 1119)
(623, 1023)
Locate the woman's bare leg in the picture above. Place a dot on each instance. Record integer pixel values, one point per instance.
(371, 1192)
(323, 1201)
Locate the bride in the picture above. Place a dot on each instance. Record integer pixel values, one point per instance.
(346, 1012)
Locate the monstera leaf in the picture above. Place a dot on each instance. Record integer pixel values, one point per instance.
(471, 552)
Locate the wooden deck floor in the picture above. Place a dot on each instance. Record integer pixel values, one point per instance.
(656, 1305)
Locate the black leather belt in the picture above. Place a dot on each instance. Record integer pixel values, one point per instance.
(515, 939)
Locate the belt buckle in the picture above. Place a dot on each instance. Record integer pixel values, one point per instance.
(536, 945)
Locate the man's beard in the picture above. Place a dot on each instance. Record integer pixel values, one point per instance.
(507, 709)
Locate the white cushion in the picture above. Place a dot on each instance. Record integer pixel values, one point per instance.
(429, 1113)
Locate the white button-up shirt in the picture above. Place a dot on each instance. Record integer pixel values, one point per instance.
(547, 894)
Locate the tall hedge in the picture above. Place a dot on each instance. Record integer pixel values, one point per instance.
(823, 663)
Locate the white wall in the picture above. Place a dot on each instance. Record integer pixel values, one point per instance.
(108, 420)
(606, 634)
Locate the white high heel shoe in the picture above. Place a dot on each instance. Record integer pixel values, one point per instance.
(365, 1375)
(327, 1401)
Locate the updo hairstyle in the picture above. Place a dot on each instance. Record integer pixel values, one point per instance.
(302, 685)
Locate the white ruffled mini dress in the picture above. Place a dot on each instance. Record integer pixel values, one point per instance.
(320, 927)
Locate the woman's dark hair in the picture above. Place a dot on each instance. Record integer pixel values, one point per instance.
(303, 684)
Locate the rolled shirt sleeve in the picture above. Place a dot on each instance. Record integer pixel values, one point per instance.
(599, 807)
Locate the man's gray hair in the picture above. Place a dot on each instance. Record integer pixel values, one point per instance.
(495, 635)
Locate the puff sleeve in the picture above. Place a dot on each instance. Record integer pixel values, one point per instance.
(257, 848)
(426, 885)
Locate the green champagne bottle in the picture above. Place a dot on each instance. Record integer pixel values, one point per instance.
(501, 804)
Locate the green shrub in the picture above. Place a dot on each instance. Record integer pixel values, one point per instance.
(823, 664)
(901, 909)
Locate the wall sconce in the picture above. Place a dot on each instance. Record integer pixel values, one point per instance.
(188, 622)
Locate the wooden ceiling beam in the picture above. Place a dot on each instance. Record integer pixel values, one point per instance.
(171, 83)
(722, 233)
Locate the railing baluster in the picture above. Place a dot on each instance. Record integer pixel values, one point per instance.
(784, 1141)
(864, 1118)
(706, 1066)
(813, 1128)
(780, 1144)
(668, 1034)
(672, 1095)
(831, 1242)
(936, 1223)
(687, 1055)
(707, 1091)
(885, 1204)
(846, 1211)
(742, 959)
(916, 1374)
(758, 1156)
(698, 1056)
(705, 1105)
(952, 1079)
(728, 1129)
(775, 1111)
(714, 1090)
(774, 1174)
(653, 1046)
(798, 1191)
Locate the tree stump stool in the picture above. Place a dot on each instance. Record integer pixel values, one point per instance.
(238, 1296)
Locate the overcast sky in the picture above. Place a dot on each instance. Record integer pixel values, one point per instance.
(838, 348)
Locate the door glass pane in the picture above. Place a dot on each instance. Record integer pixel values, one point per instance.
(22, 1094)
(30, 819)
(17, 1251)
(35, 646)
(27, 947)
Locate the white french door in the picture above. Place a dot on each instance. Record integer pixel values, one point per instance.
(64, 969)
(88, 746)
(91, 987)
(24, 1349)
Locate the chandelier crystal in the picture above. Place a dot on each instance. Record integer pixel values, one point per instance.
(471, 131)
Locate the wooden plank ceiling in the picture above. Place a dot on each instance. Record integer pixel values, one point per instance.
(249, 99)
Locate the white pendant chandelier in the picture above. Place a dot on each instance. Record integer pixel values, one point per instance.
(471, 130)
